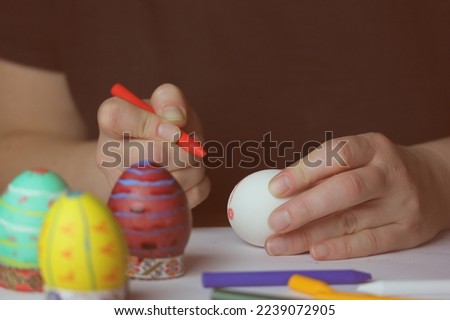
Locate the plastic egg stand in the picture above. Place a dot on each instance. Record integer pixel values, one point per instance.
(23, 208)
(156, 220)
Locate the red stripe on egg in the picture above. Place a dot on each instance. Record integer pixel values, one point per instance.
(153, 212)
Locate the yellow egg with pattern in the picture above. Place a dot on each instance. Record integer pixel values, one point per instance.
(82, 251)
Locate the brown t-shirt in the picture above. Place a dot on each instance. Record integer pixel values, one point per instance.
(291, 68)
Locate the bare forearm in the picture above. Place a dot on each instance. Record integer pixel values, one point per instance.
(437, 152)
(74, 160)
(441, 147)
(436, 156)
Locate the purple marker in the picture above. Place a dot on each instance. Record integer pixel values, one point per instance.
(280, 278)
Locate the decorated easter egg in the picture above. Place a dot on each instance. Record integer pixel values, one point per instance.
(23, 208)
(154, 214)
(82, 251)
(249, 206)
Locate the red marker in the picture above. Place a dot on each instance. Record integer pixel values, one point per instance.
(185, 141)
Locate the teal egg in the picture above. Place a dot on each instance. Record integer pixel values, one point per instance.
(23, 208)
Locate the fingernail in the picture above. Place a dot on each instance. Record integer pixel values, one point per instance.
(277, 246)
(172, 113)
(279, 220)
(279, 185)
(320, 251)
(168, 132)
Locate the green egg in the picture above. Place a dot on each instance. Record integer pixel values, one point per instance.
(23, 208)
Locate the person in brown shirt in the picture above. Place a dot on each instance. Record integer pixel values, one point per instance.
(267, 81)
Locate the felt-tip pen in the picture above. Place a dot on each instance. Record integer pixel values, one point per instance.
(322, 291)
(406, 287)
(280, 278)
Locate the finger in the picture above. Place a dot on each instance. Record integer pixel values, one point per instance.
(171, 157)
(169, 102)
(117, 117)
(189, 177)
(337, 193)
(366, 242)
(332, 157)
(336, 225)
(199, 193)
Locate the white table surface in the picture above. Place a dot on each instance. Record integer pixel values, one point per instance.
(219, 249)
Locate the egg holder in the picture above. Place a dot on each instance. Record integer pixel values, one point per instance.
(111, 294)
(156, 268)
(27, 280)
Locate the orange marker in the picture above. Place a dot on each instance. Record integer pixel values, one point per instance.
(185, 141)
(320, 290)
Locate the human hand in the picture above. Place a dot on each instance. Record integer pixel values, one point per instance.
(149, 137)
(376, 197)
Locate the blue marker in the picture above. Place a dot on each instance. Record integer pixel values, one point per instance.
(280, 278)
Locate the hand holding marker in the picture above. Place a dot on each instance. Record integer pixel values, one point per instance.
(185, 141)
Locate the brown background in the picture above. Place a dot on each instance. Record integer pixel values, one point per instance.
(293, 68)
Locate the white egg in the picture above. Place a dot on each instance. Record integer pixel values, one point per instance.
(250, 204)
